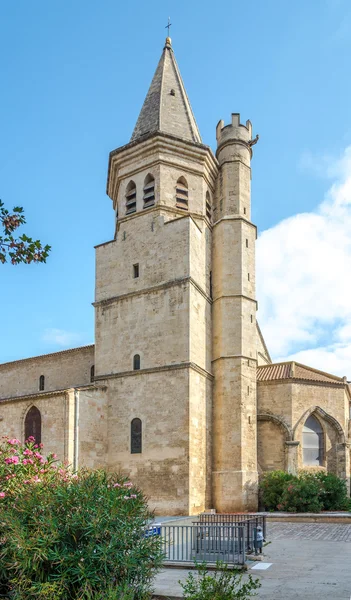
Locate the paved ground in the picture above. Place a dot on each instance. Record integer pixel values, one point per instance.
(308, 562)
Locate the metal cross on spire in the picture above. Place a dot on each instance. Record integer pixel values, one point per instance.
(169, 25)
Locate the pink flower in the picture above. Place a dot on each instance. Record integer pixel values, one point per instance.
(28, 452)
(38, 455)
(13, 442)
(31, 439)
(12, 459)
(54, 455)
(117, 485)
(126, 497)
(2, 494)
(133, 495)
(128, 484)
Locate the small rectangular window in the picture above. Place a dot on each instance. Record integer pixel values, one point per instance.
(247, 243)
(248, 276)
(244, 211)
(136, 270)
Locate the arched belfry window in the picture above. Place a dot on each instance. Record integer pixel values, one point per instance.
(32, 425)
(136, 362)
(312, 442)
(41, 383)
(208, 206)
(149, 191)
(92, 373)
(182, 193)
(131, 198)
(136, 436)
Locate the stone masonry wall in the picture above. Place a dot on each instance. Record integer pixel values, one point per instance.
(61, 370)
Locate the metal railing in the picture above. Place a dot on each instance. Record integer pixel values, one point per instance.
(204, 542)
(249, 521)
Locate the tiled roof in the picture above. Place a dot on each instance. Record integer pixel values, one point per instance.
(294, 370)
(166, 107)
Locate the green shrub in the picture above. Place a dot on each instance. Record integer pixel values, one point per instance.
(311, 491)
(301, 495)
(70, 537)
(272, 486)
(224, 584)
(333, 492)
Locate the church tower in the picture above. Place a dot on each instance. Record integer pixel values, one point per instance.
(153, 323)
(234, 324)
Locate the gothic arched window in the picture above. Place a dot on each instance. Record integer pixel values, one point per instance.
(32, 425)
(41, 383)
(149, 191)
(92, 373)
(136, 436)
(131, 198)
(312, 442)
(182, 194)
(136, 362)
(208, 206)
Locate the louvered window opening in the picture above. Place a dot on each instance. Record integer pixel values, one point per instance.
(149, 194)
(136, 436)
(182, 196)
(208, 209)
(32, 425)
(131, 201)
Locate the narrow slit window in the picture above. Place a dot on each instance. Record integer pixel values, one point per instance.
(136, 436)
(131, 198)
(208, 206)
(92, 373)
(136, 270)
(149, 191)
(247, 243)
(136, 362)
(41, 383)
(248, 276)
(182, 194)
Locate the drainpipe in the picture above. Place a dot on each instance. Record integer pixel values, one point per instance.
(76, 430)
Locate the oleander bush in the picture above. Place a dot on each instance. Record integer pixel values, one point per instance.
(222, 584)
(310, 491)
(272, 486)
(67, 536)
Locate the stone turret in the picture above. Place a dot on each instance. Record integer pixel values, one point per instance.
(234, 475)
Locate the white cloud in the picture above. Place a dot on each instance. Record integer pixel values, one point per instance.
(60, 337)
(304, 277)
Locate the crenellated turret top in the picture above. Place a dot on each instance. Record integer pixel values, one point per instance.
(166, 107)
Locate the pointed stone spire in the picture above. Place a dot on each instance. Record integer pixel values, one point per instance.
(166, 107)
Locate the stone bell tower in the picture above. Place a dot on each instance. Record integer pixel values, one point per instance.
(234, 476)
(153, 301)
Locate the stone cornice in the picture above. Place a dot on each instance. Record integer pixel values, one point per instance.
(154, 288)
(235, 218)
(235, 296)
(241, 356)
(171, 367)
(159, 141)
(48, 394)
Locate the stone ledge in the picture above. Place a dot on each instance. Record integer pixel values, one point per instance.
(324, 517)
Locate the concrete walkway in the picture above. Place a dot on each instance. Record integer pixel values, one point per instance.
(308, 562)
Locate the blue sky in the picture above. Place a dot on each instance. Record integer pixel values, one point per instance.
(74, 76)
